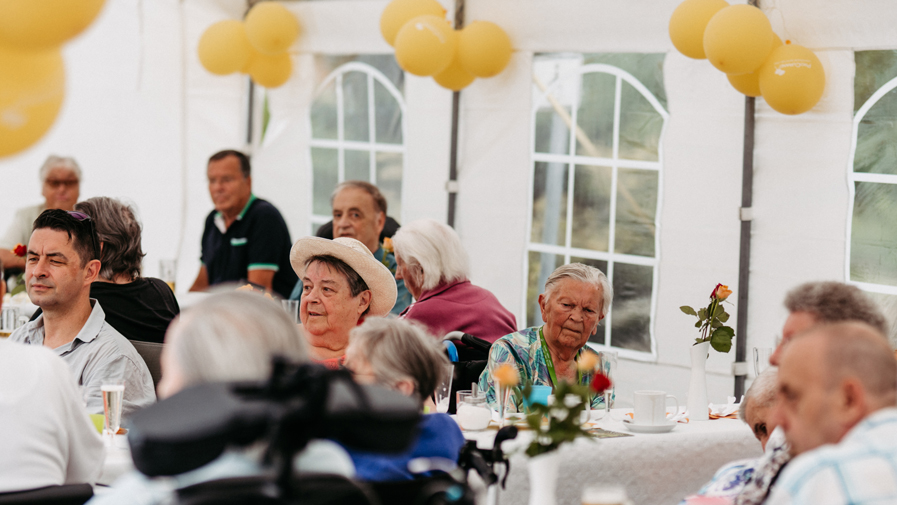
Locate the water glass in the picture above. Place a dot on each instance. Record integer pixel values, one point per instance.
(443, 391)
(761, 359)
(292, 309)
(168, 272)
(113, 395)
(609, 368)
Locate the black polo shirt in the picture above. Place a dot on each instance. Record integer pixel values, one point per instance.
(257, 240)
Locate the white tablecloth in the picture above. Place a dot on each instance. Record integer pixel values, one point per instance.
(655, 469)
(117, 460)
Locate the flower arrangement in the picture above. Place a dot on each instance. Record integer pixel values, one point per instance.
(711, 320)
(19, 250)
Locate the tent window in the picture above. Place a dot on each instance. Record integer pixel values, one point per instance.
(872, 230)
(597, 166)
(357, 129)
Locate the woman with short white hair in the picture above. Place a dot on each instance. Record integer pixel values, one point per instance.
(434, 265)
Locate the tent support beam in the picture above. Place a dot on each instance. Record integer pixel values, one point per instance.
(452, 184)
(744, 263)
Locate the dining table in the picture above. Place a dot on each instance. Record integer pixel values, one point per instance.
(654, 468)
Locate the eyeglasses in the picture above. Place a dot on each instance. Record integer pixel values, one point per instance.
(81, 217)
(56, 183)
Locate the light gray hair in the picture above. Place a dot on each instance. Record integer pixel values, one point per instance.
(835, 302)
(435, 249)
(54, 161)
(762, 392)
(119, 232)
(398, 349)
(233, 336)
(582, 273)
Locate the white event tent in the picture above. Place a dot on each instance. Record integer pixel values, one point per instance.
(142, 116)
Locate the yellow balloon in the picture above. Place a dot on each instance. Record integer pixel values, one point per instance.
(32, 87)
(271, 27)
(399, 12)
(792, 79)
(484, 49)
(425, 46)
(738, 39)
(42, 24)
(749, 84)
(688, 22)
(223, 48)
(270, 70)
(454, 77)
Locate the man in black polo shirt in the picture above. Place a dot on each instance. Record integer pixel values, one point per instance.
(245, 238)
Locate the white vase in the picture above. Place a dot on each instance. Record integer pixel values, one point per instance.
(543, 478)
(697, 388)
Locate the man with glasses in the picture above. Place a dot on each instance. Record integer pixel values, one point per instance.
(61, 178)
(60, 265)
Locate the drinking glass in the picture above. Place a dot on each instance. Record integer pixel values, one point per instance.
(113, 394)
(168, 272)
(473, 413)
(761, 359)
(444, 389)
(609, 368)
(292, 309)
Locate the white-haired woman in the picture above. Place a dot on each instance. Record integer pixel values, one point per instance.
(229, 336)
(576, 299)
(434, 266)
(400, 355)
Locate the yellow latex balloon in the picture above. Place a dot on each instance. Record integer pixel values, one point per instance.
(792, 79)
(270, 70)
(454, 77)
(399, 12)
(425, 46)
(749, 84)
(223, 48)
(688, 22)
(32, 87)
(484, 49)
(271, 27)
(738, 39)
(43, 24)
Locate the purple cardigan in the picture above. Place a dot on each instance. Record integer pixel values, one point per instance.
(461, 306)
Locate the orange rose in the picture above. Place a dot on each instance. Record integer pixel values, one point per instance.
(722, 292)
(387, 245)
(506, 376)
(587, 362)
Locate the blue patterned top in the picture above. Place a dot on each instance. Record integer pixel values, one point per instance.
(523, 350)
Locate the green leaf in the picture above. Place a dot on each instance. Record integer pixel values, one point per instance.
(702, 314)
(723, 317)
(721, 339)
(716, 323)
(688, 310)
(698, 324)
(717, 309)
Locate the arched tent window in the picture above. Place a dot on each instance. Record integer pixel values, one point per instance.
(357, 130)
(872, 227)
(597, 168)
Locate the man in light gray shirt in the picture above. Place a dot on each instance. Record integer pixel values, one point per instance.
(60, 266)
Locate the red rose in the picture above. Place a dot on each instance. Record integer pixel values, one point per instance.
(600, 383)
(713, 293)
(19, 250)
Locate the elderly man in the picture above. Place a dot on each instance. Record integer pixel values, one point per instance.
(61, 264)
(838, 408)
(359, 212)
(576, 298)
(61, 178)
(245, 238)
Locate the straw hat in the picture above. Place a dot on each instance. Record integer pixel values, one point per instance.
(359, 258)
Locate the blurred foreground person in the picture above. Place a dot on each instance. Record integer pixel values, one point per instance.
(61, 264)
(400, 355)
(230, 336)
(576, 299)
(342, 284)
(838, 407)
(61, 179)
(434, 266)
(47, 437)
(140, 308)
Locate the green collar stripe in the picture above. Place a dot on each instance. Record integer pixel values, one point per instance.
(243, 212)
(263, 266)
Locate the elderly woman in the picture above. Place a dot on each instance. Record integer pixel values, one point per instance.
(433, 264)
(229, 336)
(140, 308)
(342, 283)
(400, 355)
(576, 299)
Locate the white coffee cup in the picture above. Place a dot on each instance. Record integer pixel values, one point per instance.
(650, 407)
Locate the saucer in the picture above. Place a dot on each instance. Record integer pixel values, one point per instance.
(649, 428)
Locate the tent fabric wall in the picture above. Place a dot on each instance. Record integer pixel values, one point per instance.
(142, 116)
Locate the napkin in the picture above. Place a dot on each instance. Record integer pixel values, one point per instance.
(728, 410)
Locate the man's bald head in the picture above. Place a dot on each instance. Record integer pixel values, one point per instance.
(858, 350)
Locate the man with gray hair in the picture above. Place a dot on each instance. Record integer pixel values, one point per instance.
(61, 179)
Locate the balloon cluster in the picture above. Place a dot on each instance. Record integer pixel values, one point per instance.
(738, 40)
(426, 44)
(256, 46)
(32, 73)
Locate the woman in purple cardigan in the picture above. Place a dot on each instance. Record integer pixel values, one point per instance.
(434, 266)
